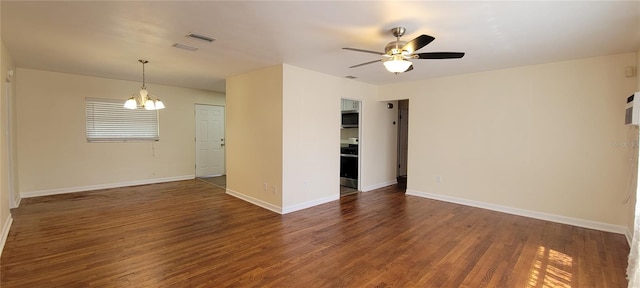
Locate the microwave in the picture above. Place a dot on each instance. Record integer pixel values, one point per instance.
(632, 110)
(350, 119)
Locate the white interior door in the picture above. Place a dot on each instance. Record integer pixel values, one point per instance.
(209, 140)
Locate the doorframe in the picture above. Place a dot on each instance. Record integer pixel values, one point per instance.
(8, 138)
(195, 125)
(400, 128)
(360, 108)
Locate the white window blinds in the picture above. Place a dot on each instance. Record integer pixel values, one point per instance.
(108, 121)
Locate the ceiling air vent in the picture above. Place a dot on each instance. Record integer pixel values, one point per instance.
(350, 77)
(185, 47)
(200, 37)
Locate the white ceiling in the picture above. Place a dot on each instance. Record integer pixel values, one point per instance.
(105, 39)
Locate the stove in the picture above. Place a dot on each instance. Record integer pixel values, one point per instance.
(349, 166)
(352, 149)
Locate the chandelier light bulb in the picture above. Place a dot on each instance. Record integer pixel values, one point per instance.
(131, 103)
(149, 105)
(159, 104)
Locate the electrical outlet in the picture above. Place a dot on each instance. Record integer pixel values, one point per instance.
(266, 187)
(275, 190)
(438, 179)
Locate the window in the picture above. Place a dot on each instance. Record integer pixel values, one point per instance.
(108, 121)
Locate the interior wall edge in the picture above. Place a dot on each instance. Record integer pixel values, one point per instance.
(309, 204)
(255, 201)
(5, 232)
(606, 227)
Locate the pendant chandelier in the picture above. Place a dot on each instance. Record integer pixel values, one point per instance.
(143, 99)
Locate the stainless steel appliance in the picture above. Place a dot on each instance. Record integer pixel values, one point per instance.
(350, 119)
(349, 166)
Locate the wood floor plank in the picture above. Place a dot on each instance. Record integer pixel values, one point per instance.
(192, 234)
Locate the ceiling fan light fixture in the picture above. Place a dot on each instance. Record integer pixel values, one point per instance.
(397, 54)
(397, 64)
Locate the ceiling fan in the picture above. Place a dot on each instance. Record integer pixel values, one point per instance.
(397, 53)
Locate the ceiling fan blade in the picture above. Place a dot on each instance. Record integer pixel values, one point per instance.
(440, 55)
(366, 63)
(362, 50)
(417, 43)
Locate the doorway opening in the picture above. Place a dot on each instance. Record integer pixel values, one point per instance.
(210, 144)
(349, 146)
(403, 142)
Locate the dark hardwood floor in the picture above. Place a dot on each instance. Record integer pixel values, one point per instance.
(191, 234)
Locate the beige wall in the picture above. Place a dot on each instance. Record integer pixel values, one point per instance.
(288, 118)
(633, 198)
(548, 138)
(311, 127)
(379, 144)
(6, 64)
(54, 155)
(254, 135)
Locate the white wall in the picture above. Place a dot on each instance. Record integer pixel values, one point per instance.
(311, 136)
(546, 138)
(311, 139)
(54, 156)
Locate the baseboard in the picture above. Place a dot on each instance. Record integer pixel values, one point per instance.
(279, 210)
(16, 203)
(309, 204)
(211, 175)
(255, 201)
(103, 186)
(5, 232)
(526, 213)
(379, 185)
(628, 235)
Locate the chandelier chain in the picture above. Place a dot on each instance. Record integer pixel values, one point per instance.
(143, 82)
